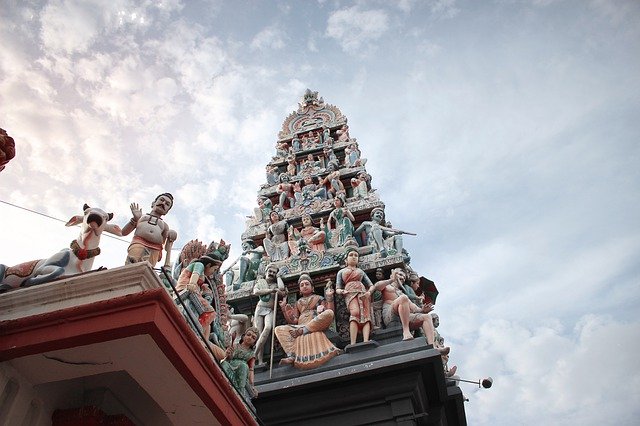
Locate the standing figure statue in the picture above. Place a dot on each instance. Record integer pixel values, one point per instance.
(151, 232)
(249, 265)
(296, 144)
(398, 306)
(195, 281)
(352, 283)
(340, 223)
(286, 194)
(327, 140)
(382, 237)
(239, 361)
(275, 240)
(353, 156)
(266, 289)
(303, 340)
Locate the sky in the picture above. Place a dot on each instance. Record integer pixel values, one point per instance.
(504, 133)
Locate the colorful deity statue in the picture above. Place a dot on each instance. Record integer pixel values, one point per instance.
(195, 283)
(311, 191)
(340, 223)
(353, 156)
(327, 140)
(285, 190)
(249, 264)
(275, 240)
(343, 133)
(361, 185)
(353, 284)
(75, 259)
(314, 238)
(263, 211)
(397, 306)
(151, 232)
(267, 289)
(379, 235)
(296, 144)
(303, 339)
(239, 361)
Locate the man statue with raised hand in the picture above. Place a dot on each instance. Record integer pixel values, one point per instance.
(151, 232)
(263, 318)
(396, 305)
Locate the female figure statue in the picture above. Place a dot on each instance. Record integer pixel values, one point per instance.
(340, 219)
(303, 340)
(353, 283)
(239, 361)
(193, 278)
(275, 241)
(313, 236)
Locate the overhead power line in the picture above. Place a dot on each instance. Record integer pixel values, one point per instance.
(55, 218)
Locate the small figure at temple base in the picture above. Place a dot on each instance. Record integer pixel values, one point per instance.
(239, 362)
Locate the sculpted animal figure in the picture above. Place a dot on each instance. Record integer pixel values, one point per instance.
(76, 259)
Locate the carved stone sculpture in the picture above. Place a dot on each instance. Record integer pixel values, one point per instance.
(352, 283)
(398, 306)
(266, 289)
(152, 234)
(303, 340)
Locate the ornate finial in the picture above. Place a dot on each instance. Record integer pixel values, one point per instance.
(310, 98)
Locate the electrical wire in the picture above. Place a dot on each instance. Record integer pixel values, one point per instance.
(60, 220)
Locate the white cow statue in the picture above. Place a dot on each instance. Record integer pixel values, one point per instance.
(76, 259)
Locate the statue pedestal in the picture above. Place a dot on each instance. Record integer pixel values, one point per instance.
(361, 347)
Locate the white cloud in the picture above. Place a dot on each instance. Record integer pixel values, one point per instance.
(556, 378)
(69, 26)
(269, 38)
(355, 29)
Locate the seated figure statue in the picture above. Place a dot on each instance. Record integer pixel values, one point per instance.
(379, 235)
(303, 340)
(397, 306)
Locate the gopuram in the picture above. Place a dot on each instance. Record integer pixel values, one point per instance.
(345, 333)
(320, 320)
